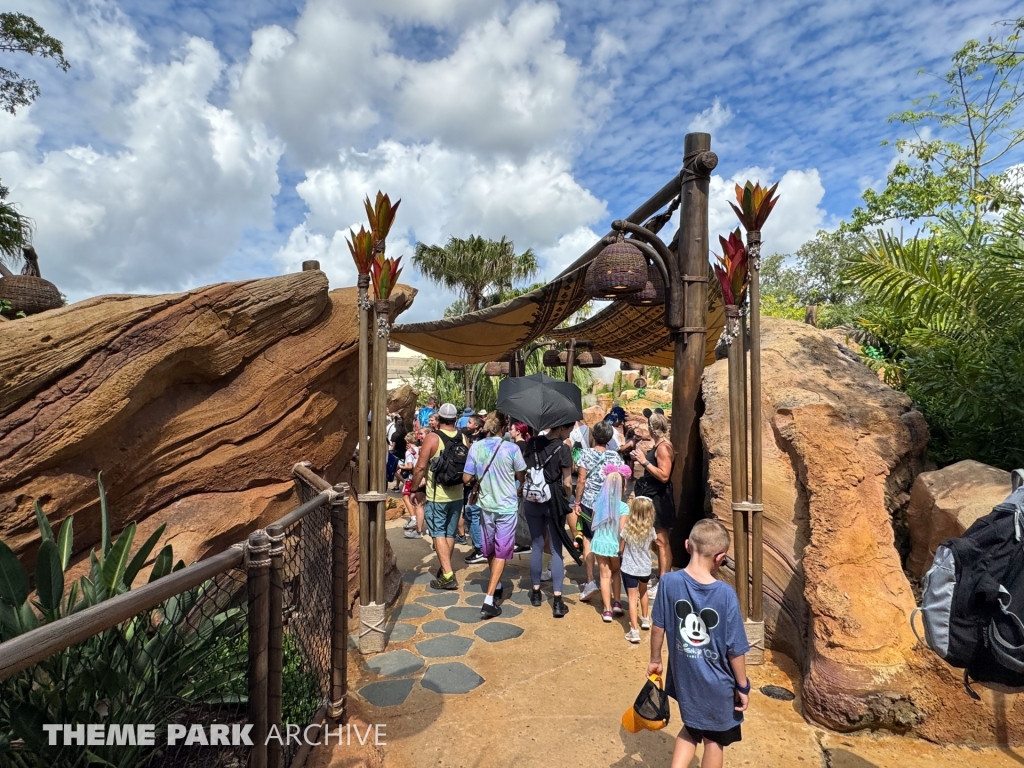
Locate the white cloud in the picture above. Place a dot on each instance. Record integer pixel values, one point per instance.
(711, 119)
(162, 210)
(607, 47)
(796, 218)
(570, 247)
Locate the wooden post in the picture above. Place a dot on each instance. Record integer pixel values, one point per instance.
(339, 612)
(744, 453)
(363, 470)
(738, 481)
(570, 359)
(756, 495)
(688, 468)
(378, 438)
(258, 584)
(275, 641)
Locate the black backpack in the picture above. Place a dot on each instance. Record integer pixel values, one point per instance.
(973, 598)
(448, 465)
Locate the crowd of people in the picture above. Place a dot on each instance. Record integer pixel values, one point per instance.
(486, 481)
(605, 492)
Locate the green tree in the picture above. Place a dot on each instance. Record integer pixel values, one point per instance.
(966, 141)
(20, 34)
(950, 333)
(475, 266)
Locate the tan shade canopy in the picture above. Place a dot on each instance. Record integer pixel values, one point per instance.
(634, 333)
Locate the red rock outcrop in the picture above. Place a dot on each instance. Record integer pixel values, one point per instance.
(841, 450)
(194, 405)
(944, 503)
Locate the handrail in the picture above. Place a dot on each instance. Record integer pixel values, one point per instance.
(277, 528)
(38, 644)
(312, 479)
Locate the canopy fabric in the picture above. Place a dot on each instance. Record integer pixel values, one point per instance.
(639, 335)
(496, 332)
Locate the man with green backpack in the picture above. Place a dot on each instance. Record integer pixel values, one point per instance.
(438, 477)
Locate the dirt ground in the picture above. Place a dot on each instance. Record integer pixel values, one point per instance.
(554, 695)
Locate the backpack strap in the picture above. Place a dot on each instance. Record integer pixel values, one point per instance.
(1016, 479)
(445, 442)
(967, 687)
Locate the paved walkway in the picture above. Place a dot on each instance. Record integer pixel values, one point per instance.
(528, 690)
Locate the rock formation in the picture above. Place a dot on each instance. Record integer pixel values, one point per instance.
(841, 450)
(945, 502)
(403, 400)
(194, 405)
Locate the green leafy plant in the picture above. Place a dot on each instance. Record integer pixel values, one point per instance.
(360, 245)
(381, 215)
(731, 269)
(385, 271)
(755, 205)
(148, 669)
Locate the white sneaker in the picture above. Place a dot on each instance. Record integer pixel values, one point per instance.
(645, 622)
(410, 523)
(588, 591)
(545, 575)
(412, 533)
(633, 636)
(652, 591)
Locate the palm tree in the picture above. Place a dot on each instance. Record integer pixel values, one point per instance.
(475, 266)
(15, 231)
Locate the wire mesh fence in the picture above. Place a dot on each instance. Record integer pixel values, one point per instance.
(237, 644)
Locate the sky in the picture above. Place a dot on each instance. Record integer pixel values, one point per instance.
(195, 142)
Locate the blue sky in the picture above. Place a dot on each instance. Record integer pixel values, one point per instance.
(194, 142)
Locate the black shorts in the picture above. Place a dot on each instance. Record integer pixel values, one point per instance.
(633, 582)
(721, 738)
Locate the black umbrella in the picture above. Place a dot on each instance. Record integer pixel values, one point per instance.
(540, 401)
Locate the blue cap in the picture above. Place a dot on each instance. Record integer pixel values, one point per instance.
(468, 411)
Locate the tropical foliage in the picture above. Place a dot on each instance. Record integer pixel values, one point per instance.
(475, 266)
(944, 317)
(755, 203)
(731, 269)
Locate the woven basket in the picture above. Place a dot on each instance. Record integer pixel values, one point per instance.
(588, 359)
(496, 369)
(653, 292)
(554, 359)
(30, 295)
(619, 270)
(626, 366)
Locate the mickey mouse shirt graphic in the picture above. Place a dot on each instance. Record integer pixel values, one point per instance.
(703, 629)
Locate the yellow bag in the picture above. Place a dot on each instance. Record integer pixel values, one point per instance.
(650, 710)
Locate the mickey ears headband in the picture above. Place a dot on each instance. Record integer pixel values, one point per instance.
(617, 469)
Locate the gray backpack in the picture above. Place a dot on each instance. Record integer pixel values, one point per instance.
(972, 606)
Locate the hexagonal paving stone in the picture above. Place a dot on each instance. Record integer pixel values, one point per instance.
(400, 632)
(439, 601)
(417, 578)
(444, 646)
(409, 611)
(522, 597)
(439, 627)
(480, 585)
(451, 677)
(463, 614)
(395, 663)
(496, 631)
(388, 693)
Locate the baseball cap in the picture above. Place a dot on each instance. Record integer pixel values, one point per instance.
(447, 411)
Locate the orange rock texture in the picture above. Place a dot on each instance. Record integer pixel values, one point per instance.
(194, 405)
(841, 450)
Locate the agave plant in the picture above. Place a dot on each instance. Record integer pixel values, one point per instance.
(755, 203)
(384, 272)
(360, 245)
(731, 269)
(381, 215)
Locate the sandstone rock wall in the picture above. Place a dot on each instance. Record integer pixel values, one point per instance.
(841, 450)
(194, 405)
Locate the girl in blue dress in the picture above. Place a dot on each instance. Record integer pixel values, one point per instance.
(605, 545)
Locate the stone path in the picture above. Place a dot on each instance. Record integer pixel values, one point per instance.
(529, 690)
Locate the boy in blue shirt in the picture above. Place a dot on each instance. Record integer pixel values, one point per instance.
(707, 671)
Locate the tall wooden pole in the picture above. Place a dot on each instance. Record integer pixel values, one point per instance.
(363, 469)
(688, 469)
(737, 442)
(378, 438)
(756, 498)
(570, 359)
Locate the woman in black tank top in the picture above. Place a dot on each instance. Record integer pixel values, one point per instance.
(656, 484)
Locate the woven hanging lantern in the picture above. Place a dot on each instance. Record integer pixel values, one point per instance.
(554, 359)
(588, 359)
(640, 382)
(625, 365)
(29, 294)
(455, 366)
(496, 369)
(652, 294)
(619, 270)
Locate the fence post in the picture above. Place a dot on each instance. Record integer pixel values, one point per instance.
(275, 640)
(258, 583)
(339, 620)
